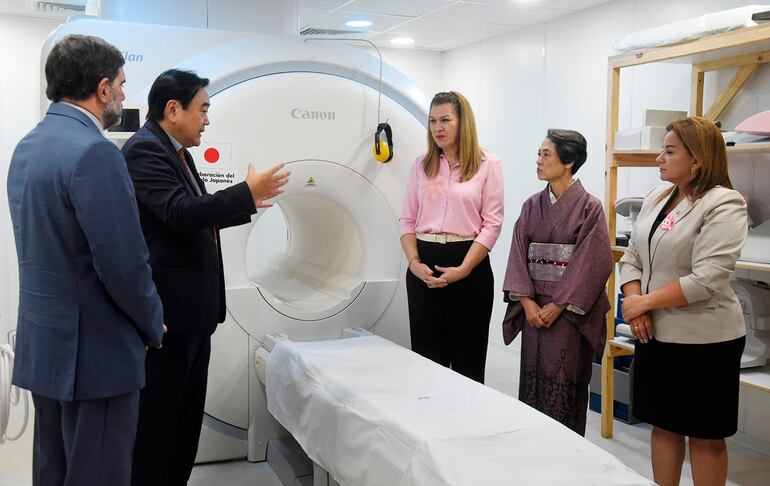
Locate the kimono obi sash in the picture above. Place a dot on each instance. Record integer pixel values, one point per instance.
(547, 261)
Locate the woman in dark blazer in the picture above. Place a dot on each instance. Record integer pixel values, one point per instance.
(676, 279)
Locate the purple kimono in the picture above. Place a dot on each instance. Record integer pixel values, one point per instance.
(556, 361)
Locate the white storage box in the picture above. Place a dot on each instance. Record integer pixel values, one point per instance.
(641, 138)
(661, 118)
(757, 247)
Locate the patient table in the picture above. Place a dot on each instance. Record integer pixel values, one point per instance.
(373, 413)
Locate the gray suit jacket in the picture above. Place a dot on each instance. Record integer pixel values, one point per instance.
(87, 303)
(700, 250)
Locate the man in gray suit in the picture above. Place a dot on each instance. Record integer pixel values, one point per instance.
(88, 308)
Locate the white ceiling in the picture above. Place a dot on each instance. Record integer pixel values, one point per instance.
(433, 24)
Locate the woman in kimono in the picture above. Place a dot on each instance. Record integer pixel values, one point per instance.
(558, 267)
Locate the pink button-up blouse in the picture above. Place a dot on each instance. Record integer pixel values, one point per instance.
(442, 204)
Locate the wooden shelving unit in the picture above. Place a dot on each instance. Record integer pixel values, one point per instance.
(618, 251)
(744, 50)
(757, 378)
(646, 158)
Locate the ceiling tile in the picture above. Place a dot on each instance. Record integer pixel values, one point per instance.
(461, 41)
(309, 15)
(409, 8)
(336, 20)
(428, 32)
(528, 4)
(420, 40)
(472, 12)
(576, 4)
(542, 15)
(323, 4)
(435, 24)
(453, 43)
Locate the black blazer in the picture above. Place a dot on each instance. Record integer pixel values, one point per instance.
(182, 230)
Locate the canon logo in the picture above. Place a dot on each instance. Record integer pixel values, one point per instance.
(301, 114)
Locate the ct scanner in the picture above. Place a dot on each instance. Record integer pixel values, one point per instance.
(326, 256)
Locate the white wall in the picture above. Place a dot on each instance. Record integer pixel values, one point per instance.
(23, 39)
(554, 75)
(424, 67)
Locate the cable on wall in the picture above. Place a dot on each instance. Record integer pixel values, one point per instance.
(379, 55)
(10, 395)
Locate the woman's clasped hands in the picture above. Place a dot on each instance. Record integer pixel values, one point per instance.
(541, 316)
(636, 312)
(448, 274)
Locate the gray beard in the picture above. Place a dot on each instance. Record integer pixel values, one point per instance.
(112, 113)
(111, 118)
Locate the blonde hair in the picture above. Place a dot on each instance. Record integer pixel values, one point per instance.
(469, 150)
(704, 142)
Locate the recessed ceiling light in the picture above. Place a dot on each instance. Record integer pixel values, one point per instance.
(402, 41)
(358, 23)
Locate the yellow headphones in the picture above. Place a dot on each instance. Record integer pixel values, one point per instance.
(383, 152)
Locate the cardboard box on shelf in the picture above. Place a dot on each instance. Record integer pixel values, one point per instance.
(640, 138)
(661, 118)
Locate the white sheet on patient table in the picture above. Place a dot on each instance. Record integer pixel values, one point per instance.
(373, 413)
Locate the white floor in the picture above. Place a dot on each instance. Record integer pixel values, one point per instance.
(630, 445)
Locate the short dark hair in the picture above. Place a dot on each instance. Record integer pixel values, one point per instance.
(77, 64)
(174, 84)
(570, 145)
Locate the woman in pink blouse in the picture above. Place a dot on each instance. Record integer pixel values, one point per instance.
(450, 221)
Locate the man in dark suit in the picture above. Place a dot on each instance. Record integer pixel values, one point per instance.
(181, 224)
(87, 305)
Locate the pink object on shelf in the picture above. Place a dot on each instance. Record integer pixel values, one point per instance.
(758, 124)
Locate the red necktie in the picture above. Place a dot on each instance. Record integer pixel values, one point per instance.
(189, 175)
(183, 159)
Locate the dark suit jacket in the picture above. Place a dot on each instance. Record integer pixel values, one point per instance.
(87, 303)
(182, 230)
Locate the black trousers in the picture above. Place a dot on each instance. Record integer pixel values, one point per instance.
(171, 410)
(84, 442)
(451, 325)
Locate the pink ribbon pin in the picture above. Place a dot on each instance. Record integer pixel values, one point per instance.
(668, 223)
